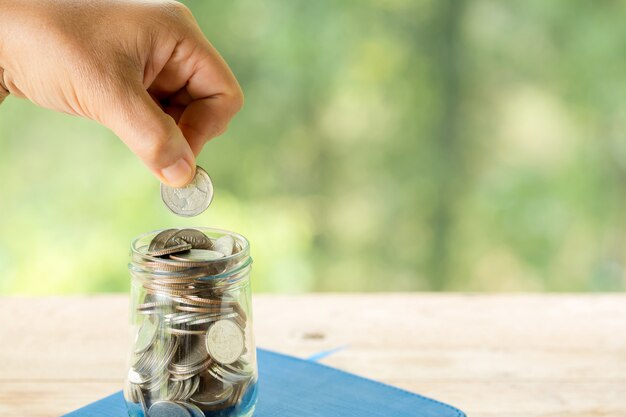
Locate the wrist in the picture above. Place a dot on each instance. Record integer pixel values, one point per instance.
(17, 19)
(8, 10)
(5, 6)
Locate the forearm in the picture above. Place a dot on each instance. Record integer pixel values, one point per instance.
(29, 34)
(16, 16)
(5, 16)
(6, 7)
(10, 11)
(110, 60)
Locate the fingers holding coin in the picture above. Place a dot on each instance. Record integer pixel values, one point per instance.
(191, 200)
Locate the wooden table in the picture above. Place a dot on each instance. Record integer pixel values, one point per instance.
(490, 355)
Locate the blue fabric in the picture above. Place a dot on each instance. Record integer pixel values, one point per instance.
(326, 353)
(292, 387)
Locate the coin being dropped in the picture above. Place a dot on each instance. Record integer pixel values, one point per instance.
(225, 342)
(198, 255)
(192, 199)
(167, 409)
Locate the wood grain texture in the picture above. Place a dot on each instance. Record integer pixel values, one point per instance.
(490, 355)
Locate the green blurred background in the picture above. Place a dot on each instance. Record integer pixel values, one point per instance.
(387, 145)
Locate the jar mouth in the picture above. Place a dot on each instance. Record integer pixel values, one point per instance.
(239, 260)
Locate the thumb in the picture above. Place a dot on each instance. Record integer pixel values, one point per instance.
(152, 135)
(4, 92)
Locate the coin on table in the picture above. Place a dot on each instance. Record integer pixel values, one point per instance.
(192, 199)
(167, 409)
(225, 342)
(198, 255)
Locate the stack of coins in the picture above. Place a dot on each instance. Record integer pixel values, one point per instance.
(190, 356)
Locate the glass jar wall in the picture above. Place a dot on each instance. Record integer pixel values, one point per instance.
(193, 353)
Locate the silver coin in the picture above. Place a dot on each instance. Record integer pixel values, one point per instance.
(193, 237)
(167, 409)
(173, 389)
(184, 332)
(166, 358)
(214, 392)
(220, 373)
(190, 385)
(135, 377)
(186, 372)
(142, 400)
(194, 410)
(192, 199)
(130, 392)
(225, 341)
(158, 242)
(191, 353)
(211, 318)
(157, 384)
(169, 251)
(198, 255)
(225, 245)
(145, 336)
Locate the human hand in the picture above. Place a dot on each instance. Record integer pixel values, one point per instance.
(142, 68)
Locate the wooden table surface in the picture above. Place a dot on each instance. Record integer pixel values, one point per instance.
(490, 355)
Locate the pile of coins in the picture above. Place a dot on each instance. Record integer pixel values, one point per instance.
(190, 356)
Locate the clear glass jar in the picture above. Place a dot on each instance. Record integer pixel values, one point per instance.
(193, 353)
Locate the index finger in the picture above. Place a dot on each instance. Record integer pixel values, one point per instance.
(215, 97)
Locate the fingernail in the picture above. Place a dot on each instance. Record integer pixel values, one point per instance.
(178, 174)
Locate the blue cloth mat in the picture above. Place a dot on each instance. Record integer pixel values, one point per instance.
(293, 387)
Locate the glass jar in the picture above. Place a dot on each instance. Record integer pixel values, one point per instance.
(193, 353)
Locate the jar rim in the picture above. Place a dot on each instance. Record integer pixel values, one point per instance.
(137, 246)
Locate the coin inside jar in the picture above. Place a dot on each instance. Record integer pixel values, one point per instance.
(195, 238)
(171, 250)
(198, 255)
(193, 353)
(194, 410)
(214, 392)
(158, 242)
(167, 409)
(145, 336)
(225, 342)
(225, 245)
